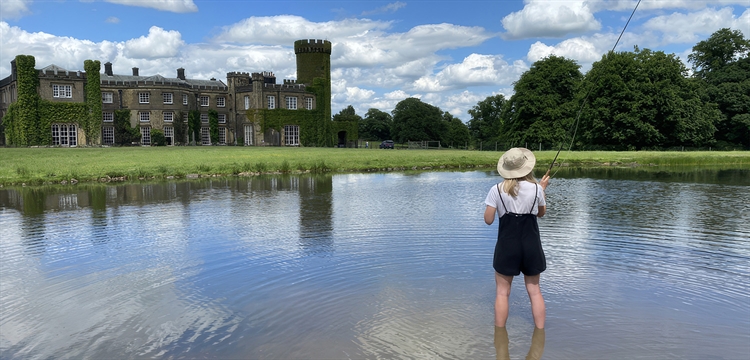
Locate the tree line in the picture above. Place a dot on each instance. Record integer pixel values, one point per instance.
(630, 100)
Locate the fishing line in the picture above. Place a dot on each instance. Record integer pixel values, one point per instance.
(580, 110)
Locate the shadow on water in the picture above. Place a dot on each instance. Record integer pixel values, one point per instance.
(502, 344)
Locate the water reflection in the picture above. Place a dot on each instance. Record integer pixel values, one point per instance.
(502, 344)
(367, 266)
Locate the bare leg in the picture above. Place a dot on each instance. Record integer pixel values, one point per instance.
(502, 293)
(537, 301)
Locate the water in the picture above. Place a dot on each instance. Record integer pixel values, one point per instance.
(370, 266)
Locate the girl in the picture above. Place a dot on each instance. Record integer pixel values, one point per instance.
(518, 201)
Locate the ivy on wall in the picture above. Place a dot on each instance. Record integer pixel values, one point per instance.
(194, 126)
(316, 128)
(213, 123)
(22, 120)
(93, 122)
(125, 134)
(180, 129)
(29, 120)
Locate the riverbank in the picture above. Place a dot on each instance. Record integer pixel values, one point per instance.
(37, 166)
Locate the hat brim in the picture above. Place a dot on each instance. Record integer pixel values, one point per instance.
(526, 169)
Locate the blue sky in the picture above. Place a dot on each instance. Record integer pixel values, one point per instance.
(451, 54)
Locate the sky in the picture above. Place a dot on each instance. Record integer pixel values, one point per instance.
(451, 54)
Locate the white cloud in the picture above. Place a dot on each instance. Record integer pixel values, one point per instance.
(629, 5)
(355, 94)
(475, 70)
(158, 44)
(13, 9)
(692, 27)
(540, 18)
(112, 20)
(392, 7)
(177, 6)
(285, 29)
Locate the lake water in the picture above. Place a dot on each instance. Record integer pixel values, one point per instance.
(395, 265)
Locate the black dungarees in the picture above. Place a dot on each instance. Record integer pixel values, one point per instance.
(519, 247)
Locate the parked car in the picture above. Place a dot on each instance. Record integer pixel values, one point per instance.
(387, 144)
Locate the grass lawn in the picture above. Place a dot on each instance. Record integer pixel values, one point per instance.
(36, 166)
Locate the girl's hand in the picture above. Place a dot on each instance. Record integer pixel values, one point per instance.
(545, 181)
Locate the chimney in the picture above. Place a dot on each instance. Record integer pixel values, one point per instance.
(108, 68)
(181, 74)
(135, 71)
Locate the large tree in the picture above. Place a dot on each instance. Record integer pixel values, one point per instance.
(544, 104)
(486, 119)
(722, 67)
(414, 120)
(642, 99)
(456, 134)
(376, 125)
(347, 114)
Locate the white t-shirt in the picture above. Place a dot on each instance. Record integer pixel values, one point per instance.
(521, 204)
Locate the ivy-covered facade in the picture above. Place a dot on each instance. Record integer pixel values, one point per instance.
(59, 107)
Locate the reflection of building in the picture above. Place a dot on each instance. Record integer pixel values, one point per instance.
(250, 109)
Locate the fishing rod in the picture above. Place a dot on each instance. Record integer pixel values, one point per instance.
(588, 92)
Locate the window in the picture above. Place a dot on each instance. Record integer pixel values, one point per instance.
(143, 98)
(220, 101)
(204, 100)
(248, 134)
(308, 103)
(167, 98)
(107, 97)
(291, 102)
(271, 102)
(222, 136)
(169, 134)
(168, 116)
(108, 135)
(144, 116)
(247, 102)
(145, 135)
(62, 91)
(205, 136)
(108, 117)
(184, 99)
(64, 134)
(204, 118)
(185, 117)
(291, 135)
(222, 118)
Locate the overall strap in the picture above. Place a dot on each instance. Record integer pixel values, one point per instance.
(500, 194)
(536, 189)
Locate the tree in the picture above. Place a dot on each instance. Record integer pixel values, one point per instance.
(719, 50)
(486, 118)
(722, 68)
(347, 114)
(158, 138)
(414, 120)
(457, 133)
(194, 126)
(376, 125)
(213, 126)
(544, 104)
(642, 99)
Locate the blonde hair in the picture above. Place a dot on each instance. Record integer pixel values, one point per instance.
(510, 186)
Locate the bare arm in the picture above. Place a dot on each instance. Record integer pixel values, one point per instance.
(543, 183)
(489, 215)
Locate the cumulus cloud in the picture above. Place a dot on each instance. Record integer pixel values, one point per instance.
(177, 6)
(285, 29)
(540, 18)
(13, 9)
(158, 44)
(692, 27)
(475, 70)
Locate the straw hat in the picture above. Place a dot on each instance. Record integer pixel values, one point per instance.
(516, 163)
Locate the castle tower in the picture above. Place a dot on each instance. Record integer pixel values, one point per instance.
(314, 69)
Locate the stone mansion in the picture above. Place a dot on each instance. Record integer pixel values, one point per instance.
(252, 109)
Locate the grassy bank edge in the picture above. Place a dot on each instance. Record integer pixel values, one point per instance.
(41, 166)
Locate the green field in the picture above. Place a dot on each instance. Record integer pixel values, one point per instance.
(35, 166)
